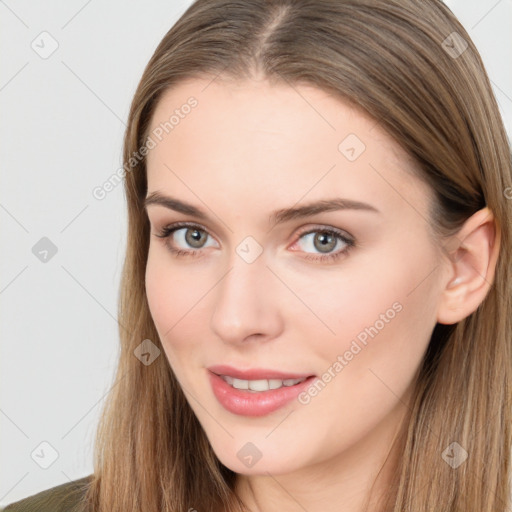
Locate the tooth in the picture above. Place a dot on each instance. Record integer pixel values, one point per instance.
(275, 383)
(292, 382)
(228, 379)
(258, 385)
(240, 384)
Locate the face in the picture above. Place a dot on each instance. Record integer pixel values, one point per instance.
(346, 295)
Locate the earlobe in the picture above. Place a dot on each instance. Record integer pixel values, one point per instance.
(473, 265)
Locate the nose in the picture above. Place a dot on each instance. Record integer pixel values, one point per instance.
(247, 302)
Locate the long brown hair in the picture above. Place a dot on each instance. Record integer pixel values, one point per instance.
(412, 66)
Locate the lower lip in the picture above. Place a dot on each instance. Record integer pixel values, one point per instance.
(248, 403)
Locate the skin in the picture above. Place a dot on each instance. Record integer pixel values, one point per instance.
(247, 149)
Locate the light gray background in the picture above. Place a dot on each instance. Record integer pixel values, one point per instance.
(63, 119)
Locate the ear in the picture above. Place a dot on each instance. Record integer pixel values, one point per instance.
(472, 263)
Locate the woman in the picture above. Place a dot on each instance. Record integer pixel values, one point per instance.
(316, 297)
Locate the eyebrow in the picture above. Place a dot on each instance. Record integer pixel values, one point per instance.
(276, 217)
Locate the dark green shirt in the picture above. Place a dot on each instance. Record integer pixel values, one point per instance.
(61, 498)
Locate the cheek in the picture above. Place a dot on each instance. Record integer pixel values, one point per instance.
(175, 296)
(380, 313)
(383, 320)
(159, 293)
(166, 295)
(166, 307)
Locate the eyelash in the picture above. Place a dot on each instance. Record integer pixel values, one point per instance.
(167, 231)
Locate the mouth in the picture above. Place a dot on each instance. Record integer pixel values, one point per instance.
(256, 397)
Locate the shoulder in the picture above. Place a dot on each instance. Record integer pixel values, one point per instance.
(61, 498)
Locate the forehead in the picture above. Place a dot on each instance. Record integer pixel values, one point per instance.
(254, 141)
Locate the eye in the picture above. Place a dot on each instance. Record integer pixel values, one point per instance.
(184, 234)
(193, 236)
(325, 240)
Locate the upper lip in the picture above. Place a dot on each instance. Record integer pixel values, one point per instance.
(255, 373)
